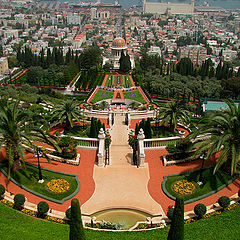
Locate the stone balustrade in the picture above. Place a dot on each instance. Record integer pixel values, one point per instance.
(160, 142)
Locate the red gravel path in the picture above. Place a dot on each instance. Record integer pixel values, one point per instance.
(84, 172)
(157, 171)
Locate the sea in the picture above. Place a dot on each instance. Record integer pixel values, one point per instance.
(227, 4)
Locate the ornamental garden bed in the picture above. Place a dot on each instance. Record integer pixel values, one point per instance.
(54, 156)
(186, 184)
(176, 158)
(57, 187)
(102, 95)
(134, 95)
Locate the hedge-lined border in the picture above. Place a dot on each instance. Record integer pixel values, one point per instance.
(41, 195)
(197, 198)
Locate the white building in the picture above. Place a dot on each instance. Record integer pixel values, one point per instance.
(118, 46)
(3, 65)
(168, 8)
(99, 14)
(74, 20)
(11, 33)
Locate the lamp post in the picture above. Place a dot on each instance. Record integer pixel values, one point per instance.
(38, 153)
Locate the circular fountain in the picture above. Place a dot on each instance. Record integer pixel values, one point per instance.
(125, 218)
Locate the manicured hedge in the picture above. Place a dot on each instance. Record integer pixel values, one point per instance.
(42, 207)
(19, 200)
(2, 189)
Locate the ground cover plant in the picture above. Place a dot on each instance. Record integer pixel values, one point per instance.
(102, 95)
(186, 189)
(224, 226)
(134, 95)
(28, 178)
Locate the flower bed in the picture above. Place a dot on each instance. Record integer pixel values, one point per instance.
(33, 213)
(183, 187)
(58, 185)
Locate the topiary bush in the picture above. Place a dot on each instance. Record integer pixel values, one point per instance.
(224, 201)
(68, 213)
(170, 213)
(42, 208)
(200, 209)
(2, 189)
(19, 200)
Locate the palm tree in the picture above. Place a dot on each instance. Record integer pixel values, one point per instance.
(173, 113)
(65, 112)
(223, 127)
(12, 133)
(16, 129)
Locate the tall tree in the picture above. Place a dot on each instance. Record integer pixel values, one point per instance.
(125, 63)
(224, 129)
(176, 231)
(76, 226)
(173, 113)
(66, 112)
(18, 127)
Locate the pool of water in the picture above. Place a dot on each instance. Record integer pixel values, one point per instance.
(127, 218)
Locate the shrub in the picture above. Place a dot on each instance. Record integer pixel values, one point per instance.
(68, 213)
(19, 200)
(224, 201)
(76, 226)
(170, 213)
(200, 209)
(42, 208)
(2, 189)
(177, 225)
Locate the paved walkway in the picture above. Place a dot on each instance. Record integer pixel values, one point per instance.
(121, 185)
(84, 172)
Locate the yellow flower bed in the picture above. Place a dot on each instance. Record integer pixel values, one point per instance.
(58, 185)
(183, 187)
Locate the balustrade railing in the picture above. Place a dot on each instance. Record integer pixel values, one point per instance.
(87, 142)
(160, 142)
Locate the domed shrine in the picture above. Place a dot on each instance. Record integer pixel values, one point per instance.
(117, 47)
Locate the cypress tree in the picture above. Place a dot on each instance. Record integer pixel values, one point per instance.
(136, 129)
(99, 125)
(148, 129)
(91, 127)
(76, 226)
(177, 225)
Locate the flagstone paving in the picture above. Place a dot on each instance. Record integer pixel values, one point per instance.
(121, 185)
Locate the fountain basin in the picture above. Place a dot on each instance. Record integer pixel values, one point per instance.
(127, 218)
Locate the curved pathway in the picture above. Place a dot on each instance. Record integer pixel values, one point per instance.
(121, 185)
(84, 172)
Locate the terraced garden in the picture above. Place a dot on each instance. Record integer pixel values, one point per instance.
(102, 95)
(134, 95)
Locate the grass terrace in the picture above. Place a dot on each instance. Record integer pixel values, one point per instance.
(224, 227)
(127, 82)
(134, 95)
(102, 95)
(118, 80)
(28, 179)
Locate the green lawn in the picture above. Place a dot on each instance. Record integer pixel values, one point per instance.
(127, 81)
(134, 95)
(14, 224)
(211, 182)
(102, 95)
(29, 179)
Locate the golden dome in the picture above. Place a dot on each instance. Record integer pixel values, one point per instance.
(118, 42)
